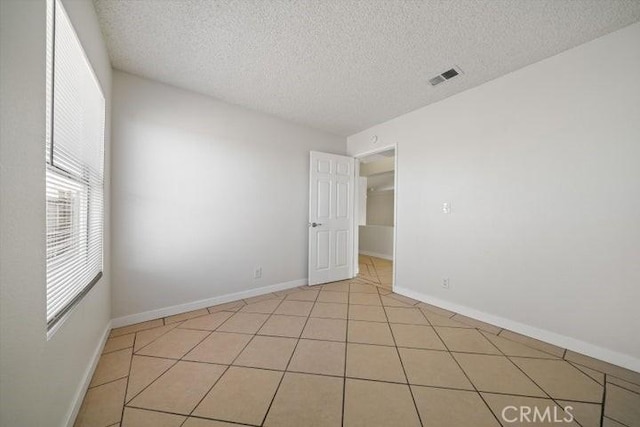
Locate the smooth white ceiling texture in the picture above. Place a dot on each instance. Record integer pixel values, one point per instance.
(344, 65)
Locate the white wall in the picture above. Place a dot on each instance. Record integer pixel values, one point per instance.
(542, 170)
(380, 208)
(40, 380)
(376, 240)
(204, 192)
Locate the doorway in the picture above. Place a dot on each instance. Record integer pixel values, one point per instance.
(376, 201)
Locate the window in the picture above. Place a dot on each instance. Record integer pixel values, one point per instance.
(74, 163)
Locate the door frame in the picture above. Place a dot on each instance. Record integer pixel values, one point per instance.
(356, 205)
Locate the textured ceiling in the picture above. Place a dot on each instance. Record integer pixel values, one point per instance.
(344, 65)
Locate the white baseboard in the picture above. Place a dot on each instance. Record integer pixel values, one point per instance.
(204, 303)
(563, 341)
(377, 255)
(86, 378)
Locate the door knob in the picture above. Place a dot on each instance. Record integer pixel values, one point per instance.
(315, 224)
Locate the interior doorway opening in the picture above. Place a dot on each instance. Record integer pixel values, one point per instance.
(376, 201)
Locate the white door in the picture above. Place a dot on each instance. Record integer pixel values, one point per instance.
(331, 217)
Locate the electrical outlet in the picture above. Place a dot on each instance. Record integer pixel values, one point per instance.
(257, 273)
(445, 283)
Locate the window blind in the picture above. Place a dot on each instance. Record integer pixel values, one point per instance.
(74, 162)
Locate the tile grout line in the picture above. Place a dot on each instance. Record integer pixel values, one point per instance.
(126, 388)
(273, 398)
(404, 371)
(465, 373)
(554, 400)
(176, 361)
(239, 353)
(308, 317)
(346, 344)
(531, 379)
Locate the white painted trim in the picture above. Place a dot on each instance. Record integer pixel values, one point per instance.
(377, 255)
(196, 305)
(86, 379)
(562, 341)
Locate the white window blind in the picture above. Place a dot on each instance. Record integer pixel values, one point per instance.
(74, 178)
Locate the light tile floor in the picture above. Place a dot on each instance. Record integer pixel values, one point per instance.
(376, 271)
(345, 354)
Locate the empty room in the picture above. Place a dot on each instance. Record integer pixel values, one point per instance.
(219, 213)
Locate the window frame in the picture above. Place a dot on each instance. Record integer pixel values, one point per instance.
(81, 180)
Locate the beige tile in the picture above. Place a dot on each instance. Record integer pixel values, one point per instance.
(307, 400)
(244, 323)
(364, 299)
(433, 368)
(219, 347)
(496, 374)
(295, 308)
(102, 405)
(586, 414)
(598, 376)
(367, 312)
(143, 418)
(369, 333)
(325, 329)
(607, 368)
(532, 342)
(512, 348)
(438, 320)
(207, 323)
(374, 362)
(371, 404)
(621, 383)
(330, 310)
(185, 316)
(411, 316)
(466, 340)
(283, 326)
(362, 288)
(417, 336)
(137, 327)
(452, 408)
(174, 344)
(265, 307)
(319, 357)
(336, 287)
(435, 310)
(286, 292)
(242, 395)
(201, 422)
(331, 296)
(507, 409)
(112, 366)
(180, 388)
(229, 306)
(309, 295)
(146, 337)
(404, 299)
(259, 298)
(560, 379)
(622, 405)
(118, 343)
(267, 352)
(608, 422)
(387, 301)
(144, 371)
(487, 327)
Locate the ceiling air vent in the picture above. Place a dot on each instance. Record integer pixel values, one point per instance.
(449, 74)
